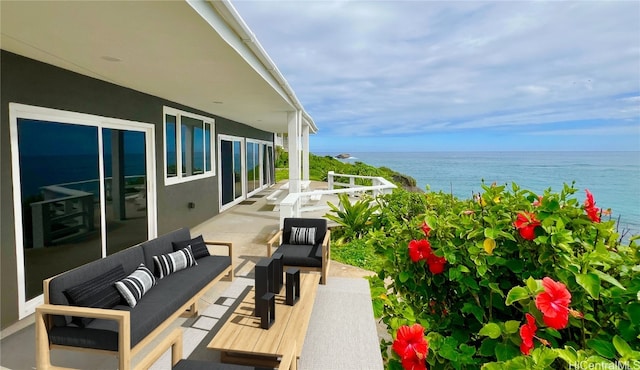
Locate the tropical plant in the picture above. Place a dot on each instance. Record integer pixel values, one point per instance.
(355, 218)
(508, 280)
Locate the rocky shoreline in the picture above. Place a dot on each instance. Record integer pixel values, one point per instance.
(407, 182)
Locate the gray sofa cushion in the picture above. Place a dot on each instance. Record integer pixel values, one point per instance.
(129, 258)
(154, 307)
(85, 337)
(300, 255)
(162, 245)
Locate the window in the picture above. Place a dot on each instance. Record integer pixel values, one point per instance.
(188, 146)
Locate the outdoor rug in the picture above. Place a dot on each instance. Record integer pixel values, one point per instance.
(342, 331)
(341, 334)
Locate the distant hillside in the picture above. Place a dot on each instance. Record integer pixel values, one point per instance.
(319, 167)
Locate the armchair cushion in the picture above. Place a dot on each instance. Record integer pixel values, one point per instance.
(303, 235)
(300, 255)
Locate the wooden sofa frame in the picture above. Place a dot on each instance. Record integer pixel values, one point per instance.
(174, 341)
(326, 254)
(43, 322)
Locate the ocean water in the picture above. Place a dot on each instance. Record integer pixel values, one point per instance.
(612, 177)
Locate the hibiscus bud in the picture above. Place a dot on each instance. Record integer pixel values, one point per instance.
(576, 314)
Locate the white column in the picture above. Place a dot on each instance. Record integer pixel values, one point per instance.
(294, 119)
(305, 151)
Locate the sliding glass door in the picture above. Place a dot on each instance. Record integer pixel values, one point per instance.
(60, 199)
(82, 192)
(231, 170)
(246, 167)
(125, 188)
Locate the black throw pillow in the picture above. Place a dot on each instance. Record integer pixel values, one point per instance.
(99, 292)
(198, 247)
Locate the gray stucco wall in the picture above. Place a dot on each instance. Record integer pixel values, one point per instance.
(30, 82)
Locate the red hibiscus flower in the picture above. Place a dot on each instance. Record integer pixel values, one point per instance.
(411, 346)
(526, 224)
(527, 333)
(419, 250)
(414, 363)
(436, 264)
(425, 228)
(590, 208)
(554, 303)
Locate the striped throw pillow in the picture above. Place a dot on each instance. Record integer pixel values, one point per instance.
(134, 286)
(303, 235)
(166, 264)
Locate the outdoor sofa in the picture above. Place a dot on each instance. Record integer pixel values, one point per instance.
(120, 328)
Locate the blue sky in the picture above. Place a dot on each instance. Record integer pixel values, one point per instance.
(459, 75)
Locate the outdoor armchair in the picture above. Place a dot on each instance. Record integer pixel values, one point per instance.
(304, 243)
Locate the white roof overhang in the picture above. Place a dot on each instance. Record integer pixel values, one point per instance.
(197, 53)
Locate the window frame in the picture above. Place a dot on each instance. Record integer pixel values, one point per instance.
(179, 178)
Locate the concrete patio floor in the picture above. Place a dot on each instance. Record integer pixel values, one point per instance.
(248, 226)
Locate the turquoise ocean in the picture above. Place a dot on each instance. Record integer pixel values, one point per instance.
(612, 177)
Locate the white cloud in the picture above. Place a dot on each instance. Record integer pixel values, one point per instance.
(396, 67)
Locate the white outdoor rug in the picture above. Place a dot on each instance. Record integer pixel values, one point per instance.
(342, 331)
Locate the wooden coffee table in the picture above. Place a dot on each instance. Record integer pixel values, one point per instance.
(241, 340)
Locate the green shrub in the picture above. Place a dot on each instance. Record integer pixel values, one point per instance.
(357, 253)
(478, 273)
(355, 218)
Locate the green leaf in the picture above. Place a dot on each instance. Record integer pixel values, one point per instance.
(634, 313)
(492, 366)
(467, 350)
(506, 352)
(624, 349)
(448, 349)
(515, 265)
(409, 315)
(553, 332)
(533, 285)
(404, 276)
(488, 347)
(602, 347)
(608, 278)
(496, 289)
(543, 357)
(511, 326)
(590, 282)
(517, 293)
(568, 354)
(491, 330)
(471, 308)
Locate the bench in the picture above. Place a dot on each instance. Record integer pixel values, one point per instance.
(119, 328)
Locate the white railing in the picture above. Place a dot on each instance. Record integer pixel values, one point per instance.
(294, 204)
